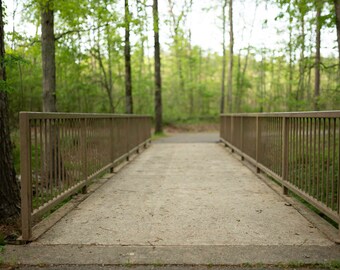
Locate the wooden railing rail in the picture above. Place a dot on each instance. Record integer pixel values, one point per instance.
(61, 152)
(300, 150)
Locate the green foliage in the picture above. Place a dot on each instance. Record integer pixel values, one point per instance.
(90, 64)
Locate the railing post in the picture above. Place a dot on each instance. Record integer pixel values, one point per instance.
(26, 180)
(258, 140)
(221, 126)
(339, 183)
(285, 146)
(127, 136)
(242, 157)
(232, 132)
(138, 140)
(112, 144)
(145, 127)
(84, 152)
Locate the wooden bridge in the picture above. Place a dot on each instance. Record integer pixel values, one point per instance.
(187, 190)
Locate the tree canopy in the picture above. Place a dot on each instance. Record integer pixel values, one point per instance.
(91, 49)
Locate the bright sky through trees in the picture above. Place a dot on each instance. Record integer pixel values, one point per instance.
(205, 24)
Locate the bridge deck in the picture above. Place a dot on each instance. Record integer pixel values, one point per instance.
(185, 194)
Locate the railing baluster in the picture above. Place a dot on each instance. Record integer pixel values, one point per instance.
(285, 153)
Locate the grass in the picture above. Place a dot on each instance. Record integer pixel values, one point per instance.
(156, 136)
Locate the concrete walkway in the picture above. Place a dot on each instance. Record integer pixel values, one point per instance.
(184, 198)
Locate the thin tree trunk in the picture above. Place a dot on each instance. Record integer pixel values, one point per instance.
(337, 16)
(191, 78)
(231, 55)
(9, 191)
(262, 82)
(300, 94)
(290, 73)
(48, 58)
(241, 76)
(317, 55)
(178, 54)
(224, 60)
(127, 54)
(110, 83)
(158, 79)
(238, 83)
(106, 82)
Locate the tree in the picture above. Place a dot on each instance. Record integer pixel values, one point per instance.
(318, 4)
(48, 57)
(223, 57)
(231, 56)
(337, 16)
(127, 55)
(158, 78)
(9, 191)
(302, 8)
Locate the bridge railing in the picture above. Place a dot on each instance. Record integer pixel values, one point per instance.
(61, 152)
(299, 150)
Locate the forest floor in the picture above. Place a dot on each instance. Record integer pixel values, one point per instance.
(191, 127)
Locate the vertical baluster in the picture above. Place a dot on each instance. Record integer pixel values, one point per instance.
(294, 160)
(314, 158)
(333, 163)
(310, 156)
(285, 153)
(323, 160)
(42, 169)
(328, 160)
(36, 166)
(59, 164)
(306, 154)
(318, 159)
(338, 180)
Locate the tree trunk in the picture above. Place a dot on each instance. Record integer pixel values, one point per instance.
(9, 191)
(110, 83)
(158, 79)
(177, 38)
(317, 56)
(290, 75)
(337, 16)
(300, 94)
(231, 55)
(224, 61)
(191, 78)
(53, 163)
(127, 54)
(48, 58)
(240, 90)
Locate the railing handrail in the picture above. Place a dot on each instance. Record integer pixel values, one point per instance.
(60, 115)
(321, 114)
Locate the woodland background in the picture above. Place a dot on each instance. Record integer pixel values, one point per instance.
(90, 73)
